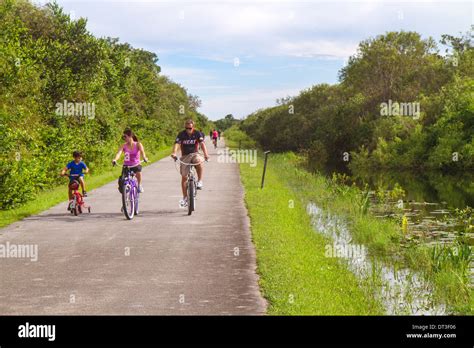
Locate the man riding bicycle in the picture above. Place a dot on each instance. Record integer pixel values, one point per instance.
(188, 141)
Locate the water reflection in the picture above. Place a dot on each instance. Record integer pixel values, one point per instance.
(454, 191)
(402, 291)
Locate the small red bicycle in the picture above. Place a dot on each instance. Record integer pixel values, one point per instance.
(76, 204)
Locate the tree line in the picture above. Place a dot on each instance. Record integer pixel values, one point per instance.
(400, 103)
(62, 89)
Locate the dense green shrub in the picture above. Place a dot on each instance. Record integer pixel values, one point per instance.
(47, 58)
(327, 122)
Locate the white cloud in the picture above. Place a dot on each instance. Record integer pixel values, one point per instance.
(243, 102)
(224, 30)
(191, 78)
(183, 72)
(278, 35)
(317, 48)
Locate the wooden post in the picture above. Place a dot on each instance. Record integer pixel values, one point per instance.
(264, 168)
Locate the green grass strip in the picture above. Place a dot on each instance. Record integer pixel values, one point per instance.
(295, 275)
(382, 237)
(50, 198)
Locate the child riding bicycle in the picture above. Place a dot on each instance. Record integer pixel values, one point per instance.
(76, 169)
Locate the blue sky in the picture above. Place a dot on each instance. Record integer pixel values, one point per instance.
(239, 56)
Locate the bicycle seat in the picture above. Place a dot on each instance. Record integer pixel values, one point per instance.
(74, 185)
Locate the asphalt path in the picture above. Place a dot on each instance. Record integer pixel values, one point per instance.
(163, 262)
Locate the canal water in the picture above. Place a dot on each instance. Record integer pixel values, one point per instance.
(402, 291)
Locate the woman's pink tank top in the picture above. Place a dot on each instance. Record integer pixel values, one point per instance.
(132, 157)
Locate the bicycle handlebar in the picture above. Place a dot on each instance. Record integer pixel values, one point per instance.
(176, 159)
(114, 163)
(66, 174)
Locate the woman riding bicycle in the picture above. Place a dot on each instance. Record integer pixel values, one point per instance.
(132, 150)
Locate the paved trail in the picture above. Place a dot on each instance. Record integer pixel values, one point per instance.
(177, 264)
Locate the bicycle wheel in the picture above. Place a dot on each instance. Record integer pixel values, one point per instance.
(128, 202)
(190, 197)
(136, 201)
(74, 206)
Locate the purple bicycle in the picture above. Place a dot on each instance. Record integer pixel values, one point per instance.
(128, 186)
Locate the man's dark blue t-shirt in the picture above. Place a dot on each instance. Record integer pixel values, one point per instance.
(189, 143)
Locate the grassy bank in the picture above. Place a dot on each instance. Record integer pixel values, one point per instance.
(289, 252)
(50, 198)
(447, 268)
(295, 276)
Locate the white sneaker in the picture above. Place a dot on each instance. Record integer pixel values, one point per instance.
(183, 203)
(141, 189)
(199, 185)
